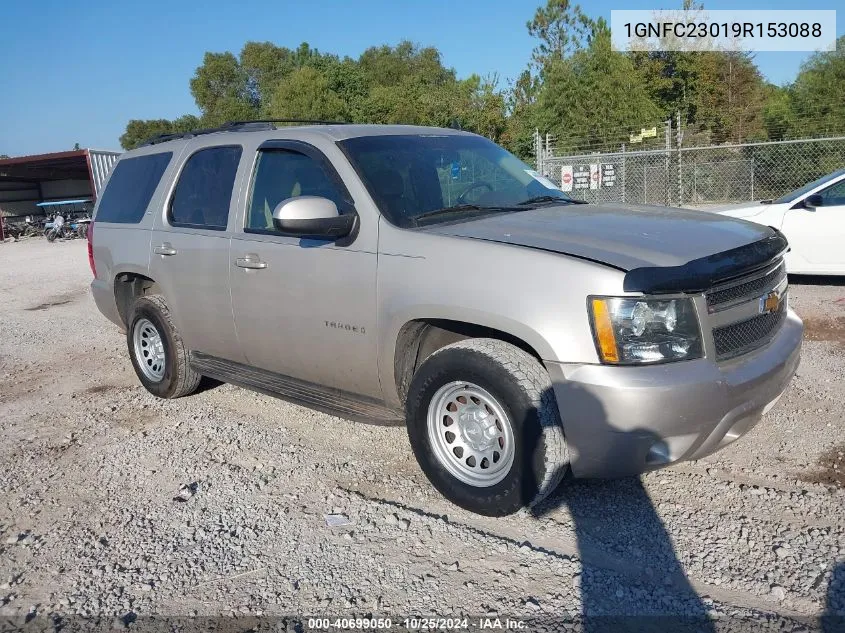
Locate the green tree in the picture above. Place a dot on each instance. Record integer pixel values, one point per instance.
(561, 28)
(522, 114)
(349, 82)
(185, 123)
(778, 114)
(595, 97)
(389, 66)
(817, 94)
(306, 94)
(264, 65)
(671, 79)
(729, 98)
(481, 107)
(138, 131)
(220, 89)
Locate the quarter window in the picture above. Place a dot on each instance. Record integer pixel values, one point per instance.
(283, 174)
(131, 187)
(204, 191)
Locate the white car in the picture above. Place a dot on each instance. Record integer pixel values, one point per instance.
(813, 220)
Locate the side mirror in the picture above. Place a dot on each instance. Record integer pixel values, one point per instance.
(811, 202)
(312, 217)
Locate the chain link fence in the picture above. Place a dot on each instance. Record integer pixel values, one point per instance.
(692, 176)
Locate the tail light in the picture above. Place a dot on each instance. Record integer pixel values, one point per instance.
(90, 236)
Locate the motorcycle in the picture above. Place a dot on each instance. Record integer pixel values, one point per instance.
(80, 227)
(57, 228)
(69, 219)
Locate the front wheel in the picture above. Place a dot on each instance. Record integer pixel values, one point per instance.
(158, 355)
(484, 426)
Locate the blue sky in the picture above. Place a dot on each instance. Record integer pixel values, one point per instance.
(77, 71)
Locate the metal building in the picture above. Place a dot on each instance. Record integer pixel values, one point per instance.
(27, 180)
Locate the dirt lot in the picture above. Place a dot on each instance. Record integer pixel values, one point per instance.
(92, 520)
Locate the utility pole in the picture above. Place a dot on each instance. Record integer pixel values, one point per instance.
(679, 135)
(667, 132)
(624, 165)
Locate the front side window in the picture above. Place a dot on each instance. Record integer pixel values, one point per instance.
(834, 195)
(422, 179)
(794, 195)
(283, 174)
(131, 187)
(204, 191)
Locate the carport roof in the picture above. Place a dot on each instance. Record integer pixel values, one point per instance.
(72, 165)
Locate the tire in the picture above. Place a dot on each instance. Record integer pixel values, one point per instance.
(495, 379)
(51, 235)
(167, 377)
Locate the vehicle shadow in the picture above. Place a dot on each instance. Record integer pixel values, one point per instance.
(817, 280)
(631, 577)
(833, 620)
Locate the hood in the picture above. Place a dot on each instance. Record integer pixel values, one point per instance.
(629, 237)
(746, 210)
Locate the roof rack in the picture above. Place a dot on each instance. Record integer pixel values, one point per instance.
(306, 121)
(235, 126)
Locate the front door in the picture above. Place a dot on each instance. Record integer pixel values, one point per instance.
(818, 235)
(190, 251)
(303, 308)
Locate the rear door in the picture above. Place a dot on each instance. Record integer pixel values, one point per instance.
(304, 308)
(190, 247)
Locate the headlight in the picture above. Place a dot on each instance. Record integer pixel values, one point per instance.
(635, 330)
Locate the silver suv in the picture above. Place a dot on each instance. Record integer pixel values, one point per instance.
(428, 277)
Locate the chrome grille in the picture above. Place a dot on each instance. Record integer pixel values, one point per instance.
(745, 336)
(720, 298)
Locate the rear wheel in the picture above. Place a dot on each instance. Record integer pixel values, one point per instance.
(158, 355)
(484, 426)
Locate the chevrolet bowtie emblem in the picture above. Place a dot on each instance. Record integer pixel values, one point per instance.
(769, 302)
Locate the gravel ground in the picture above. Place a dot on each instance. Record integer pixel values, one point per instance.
(115, 504)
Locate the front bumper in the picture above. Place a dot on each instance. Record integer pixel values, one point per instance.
(621, 421)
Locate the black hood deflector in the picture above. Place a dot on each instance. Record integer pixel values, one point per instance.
(701, 274)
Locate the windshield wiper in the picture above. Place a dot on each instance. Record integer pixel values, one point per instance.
(556, 199)
(458, 208)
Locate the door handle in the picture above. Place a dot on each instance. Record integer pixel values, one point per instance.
(250, 261)
(164, 249)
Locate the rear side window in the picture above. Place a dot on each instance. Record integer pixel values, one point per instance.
(204, 191)
(131, 188)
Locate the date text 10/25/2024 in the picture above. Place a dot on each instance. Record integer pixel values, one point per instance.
(418, 624)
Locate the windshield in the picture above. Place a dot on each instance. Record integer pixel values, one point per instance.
(791, 197)
(425, 179)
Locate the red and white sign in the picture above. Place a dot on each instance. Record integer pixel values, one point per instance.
(595, 175)
(566, 178)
